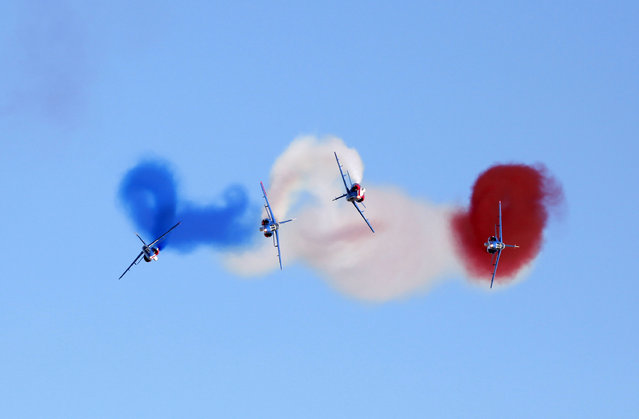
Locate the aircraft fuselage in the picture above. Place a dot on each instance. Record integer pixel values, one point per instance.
(356, 193)
(493, 245)
(150, 253)
(268, 227)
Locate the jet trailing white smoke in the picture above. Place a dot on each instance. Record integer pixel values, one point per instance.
(411, 249)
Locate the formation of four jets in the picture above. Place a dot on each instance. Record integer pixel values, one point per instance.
(270, 227)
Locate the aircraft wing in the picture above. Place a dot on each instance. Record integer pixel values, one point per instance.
(342, 173)
(495, 270)
(268, 206)
(279, 256)
(162, 236)
(362, 214)
(133, 263)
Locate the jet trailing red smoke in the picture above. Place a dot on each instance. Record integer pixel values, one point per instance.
(527, 193)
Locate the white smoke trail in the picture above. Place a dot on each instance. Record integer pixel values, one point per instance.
(412, 247)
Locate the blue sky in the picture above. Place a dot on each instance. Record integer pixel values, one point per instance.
(430, 94)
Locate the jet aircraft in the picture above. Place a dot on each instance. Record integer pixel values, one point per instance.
(495, 244)
(270, 225)
(354, 193)
(149, 251)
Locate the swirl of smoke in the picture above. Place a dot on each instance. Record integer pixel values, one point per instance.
(149, 194)
(411, 249)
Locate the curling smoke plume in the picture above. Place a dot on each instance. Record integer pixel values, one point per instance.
(527, 194)
(411, 248)
(150, 195)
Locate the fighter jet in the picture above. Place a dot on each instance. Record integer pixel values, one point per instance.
(354, 193)
(270, 225)
(495, 244)
(149, 251)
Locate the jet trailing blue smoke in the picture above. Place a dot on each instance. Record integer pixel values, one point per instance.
(150, 195)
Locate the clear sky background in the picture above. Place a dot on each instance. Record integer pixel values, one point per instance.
(430, 93)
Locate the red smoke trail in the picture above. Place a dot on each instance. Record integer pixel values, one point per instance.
(526, 194)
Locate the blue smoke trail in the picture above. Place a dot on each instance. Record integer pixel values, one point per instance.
(149, 193)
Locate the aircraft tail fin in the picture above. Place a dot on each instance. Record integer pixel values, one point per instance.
(140, 239)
